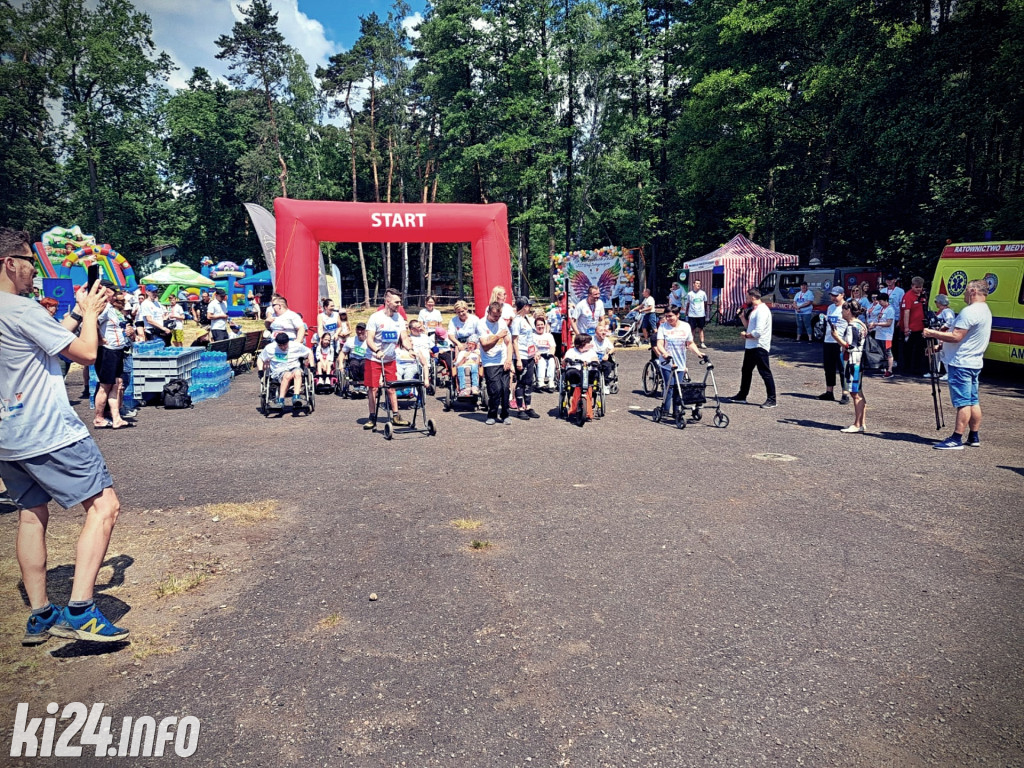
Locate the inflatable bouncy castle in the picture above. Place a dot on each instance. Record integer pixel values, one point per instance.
(66, 254)
(226, 275)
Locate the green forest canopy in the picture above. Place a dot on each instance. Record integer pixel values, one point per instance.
(848, 130)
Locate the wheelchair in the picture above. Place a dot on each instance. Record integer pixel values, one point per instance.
(591, 384)
(350, 382)
(269, 391)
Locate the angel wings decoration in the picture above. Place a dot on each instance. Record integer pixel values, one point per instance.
(579, 283)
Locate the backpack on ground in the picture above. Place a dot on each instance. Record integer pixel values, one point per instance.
(176, 394)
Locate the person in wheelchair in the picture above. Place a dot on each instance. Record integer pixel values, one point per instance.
(581, 373)
(325, 354)
(605, 349)
(284, 359)
(674, 338)
(354, 353)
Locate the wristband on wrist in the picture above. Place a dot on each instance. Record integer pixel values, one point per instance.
(76, 317)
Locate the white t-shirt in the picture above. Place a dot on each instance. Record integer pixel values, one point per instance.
(886, 333)
(760, 326)
(508, 313)
(461, 330)
(329, 322)
(177, 312)
(322, 352)
(497, 354)
(151, 312)
(695, 303)
(586, 316)
(355, 349)
(524, 334)
(604, 348)
(288, 321)
(282, 360)
(386, 331)
(800, 298)
(554, 318)
(545, 343)
(431, 319)
(969, 353)
(216, 307)
(834, 315)
(647, 305)
(675, 298)
(111, 331)
(35, 416)
(896, 300)
(421, 343)
(676, 340)
(590, 356)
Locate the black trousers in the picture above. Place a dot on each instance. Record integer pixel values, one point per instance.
(526, 379)
(497, 380)
(913, 355)
(832, 358)
(756, 358)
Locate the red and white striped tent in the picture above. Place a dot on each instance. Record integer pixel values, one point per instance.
(742, 265)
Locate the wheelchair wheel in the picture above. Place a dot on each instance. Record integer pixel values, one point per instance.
(388, 432)
(431, 427)
(581, 411)
(613, 387)
(656, 415)
(721, 420)
(446, 403)
(652, 379)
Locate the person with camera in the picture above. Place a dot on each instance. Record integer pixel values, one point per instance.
(46, 452)
(943, 320)
(757, 343)
(965, 344)
(852, 343)
(835, 329)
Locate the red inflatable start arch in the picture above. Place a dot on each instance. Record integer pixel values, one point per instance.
(303, 224)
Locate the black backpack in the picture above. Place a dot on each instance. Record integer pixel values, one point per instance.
(176, 394)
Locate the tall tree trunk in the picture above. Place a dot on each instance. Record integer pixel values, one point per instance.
(352, 138)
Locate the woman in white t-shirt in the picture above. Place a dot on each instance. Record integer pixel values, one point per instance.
(329, 321)
(462, 326)
(546, 348)
(883, 329)
(431, 317)
(508, 312)
(852, 342)
(286, 321)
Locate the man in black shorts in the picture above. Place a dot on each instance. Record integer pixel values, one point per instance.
(696, 312)
(110, 363)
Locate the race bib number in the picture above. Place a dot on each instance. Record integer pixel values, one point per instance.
(531, 350)
(389, 337)
(332, 327)
(280, 356)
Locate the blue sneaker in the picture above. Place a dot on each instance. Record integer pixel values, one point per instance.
(90, 625)
(37, 630)
(949, 444)
(974, 440)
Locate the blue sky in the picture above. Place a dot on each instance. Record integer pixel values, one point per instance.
(187, 29)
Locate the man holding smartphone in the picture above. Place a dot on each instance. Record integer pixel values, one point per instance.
(46, 452)
(832, 357)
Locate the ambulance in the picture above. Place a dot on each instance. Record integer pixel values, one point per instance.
(1001, 265)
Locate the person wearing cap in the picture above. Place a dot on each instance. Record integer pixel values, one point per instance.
(803, 303)
(832, 358)
(176, 322)
(944, 319)
(882, 326)
(524, 353)
(153, 316)
(284, 358)
(354, 354)
(217, 314)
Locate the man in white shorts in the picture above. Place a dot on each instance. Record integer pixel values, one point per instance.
(46, 452)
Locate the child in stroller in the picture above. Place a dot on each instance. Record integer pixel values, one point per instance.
(581, 374)
(467, 364)
(354, 353)
(326, 357)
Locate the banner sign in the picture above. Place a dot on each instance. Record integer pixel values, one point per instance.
(612, 269)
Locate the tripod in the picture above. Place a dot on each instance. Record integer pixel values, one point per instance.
(933, 368)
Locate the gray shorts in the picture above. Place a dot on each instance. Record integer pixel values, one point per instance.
(69, 476)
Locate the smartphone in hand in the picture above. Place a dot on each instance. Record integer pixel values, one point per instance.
(94, 276)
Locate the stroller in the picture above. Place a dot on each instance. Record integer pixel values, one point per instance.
(692, 394)
(628, 332)
(325, 385)
(591, 385)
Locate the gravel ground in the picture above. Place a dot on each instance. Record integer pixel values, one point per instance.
(640, 595)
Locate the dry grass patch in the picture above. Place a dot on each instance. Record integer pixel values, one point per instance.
(248, 513)
(480, 545)
(467, 524)
(329, 622)
(177, 585)
(144, 646)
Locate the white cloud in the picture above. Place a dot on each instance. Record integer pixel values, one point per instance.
(410, 24)
(188, 29)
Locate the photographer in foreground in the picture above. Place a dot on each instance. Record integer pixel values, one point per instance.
(964, 349)
(46, 452)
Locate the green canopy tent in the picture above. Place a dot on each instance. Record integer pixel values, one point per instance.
(177, 276)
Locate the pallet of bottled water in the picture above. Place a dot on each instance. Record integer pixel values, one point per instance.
(211, 377)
